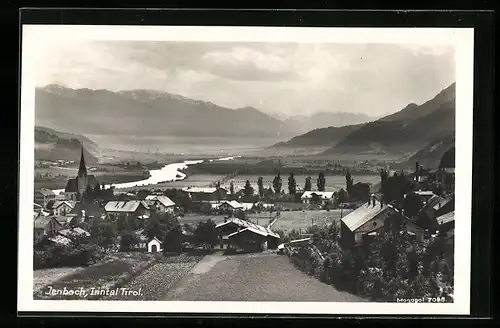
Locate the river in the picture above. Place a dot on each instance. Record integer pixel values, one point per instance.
(170, 172)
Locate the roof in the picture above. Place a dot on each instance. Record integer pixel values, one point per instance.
(58, 203)
(202, 190)
(321, 194)
(446, 218)
(58, 239)
(62, 220)
(129, 206)
(425, 193)
(444, 202)
(46, 192)
(167, 202)
(77, 231)
(72, 184)
(363, 214)
(233, 204)
(249, 225)
(42, 221)
(38, 206)
(298, 241)
(154, 238)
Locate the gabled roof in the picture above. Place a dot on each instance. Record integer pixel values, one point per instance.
(71, 186)
(74, 231)
(203, 190)
(42, 221)
(58, 203)
(154, 238)
(425, 193)
(252, 226)
(446, 218)
(129, 206)
(445, 201)
(364, 214)
(46, 192)
(233, 204)
(321, 194)
(37, 206)
(58, 239)
(164, 200)
(62, 220)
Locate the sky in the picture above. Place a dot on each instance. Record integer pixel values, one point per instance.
(278, 78)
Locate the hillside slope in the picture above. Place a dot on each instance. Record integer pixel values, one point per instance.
(53, 145)
(319, 137)
(406, 131)
(431, 155)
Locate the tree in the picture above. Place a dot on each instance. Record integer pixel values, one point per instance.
(205, 234)
(248, 188)
(360, 191)
(260, 184)
(342, 196)
(153, 228)
(321, 182)
(103, 233)
(349, 183)
(128, 238)
(173, 240)
(277, 183)
(411, 204)
(292, 184)
(307, 185)
(218, 191)
(231, 188)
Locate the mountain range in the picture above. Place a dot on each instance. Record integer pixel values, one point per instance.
(154, 113)
(415, 130)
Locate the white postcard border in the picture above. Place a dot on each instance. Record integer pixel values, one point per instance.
(35, 37)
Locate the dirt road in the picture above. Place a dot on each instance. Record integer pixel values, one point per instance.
(252, 277)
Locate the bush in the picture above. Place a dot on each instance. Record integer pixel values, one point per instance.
(54, 255)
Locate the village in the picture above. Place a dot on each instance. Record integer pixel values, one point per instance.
(339, 237)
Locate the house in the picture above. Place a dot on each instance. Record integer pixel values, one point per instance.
(131, 208)
(446, 206)
(246, 235)
(88, 210)
(425, 195)
(64, 221)
(61, 208)
(37, 208)
(43, 196)
(202, 194)
(45, 226)
(77, 187)
(230, 206)
(370, 219)
(74, 232)
(317, 197)
(161, 204)
(446, 222)
(154, 245)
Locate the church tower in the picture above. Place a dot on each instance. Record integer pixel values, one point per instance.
(82, 175)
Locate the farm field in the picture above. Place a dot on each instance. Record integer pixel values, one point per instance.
(333, 182)
(105, 274)
(193, 219)
(302, 220)
(44, 277)
(154, 282)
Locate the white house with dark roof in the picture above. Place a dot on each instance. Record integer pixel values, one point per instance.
(43, 196)
(201, 194)
(61, 207)
(160, 203)
(134, 208)
(370, 219)
(245, 234)
(317, 197)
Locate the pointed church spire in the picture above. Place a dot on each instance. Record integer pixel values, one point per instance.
(82, 171)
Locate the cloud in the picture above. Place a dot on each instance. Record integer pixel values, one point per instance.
(288, 78)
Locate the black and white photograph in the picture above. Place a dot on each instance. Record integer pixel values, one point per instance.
(245, 169)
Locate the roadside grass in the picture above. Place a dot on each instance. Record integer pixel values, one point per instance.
(44, 277)
(111, 273)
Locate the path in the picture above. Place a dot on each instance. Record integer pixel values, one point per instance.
(252, 277)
